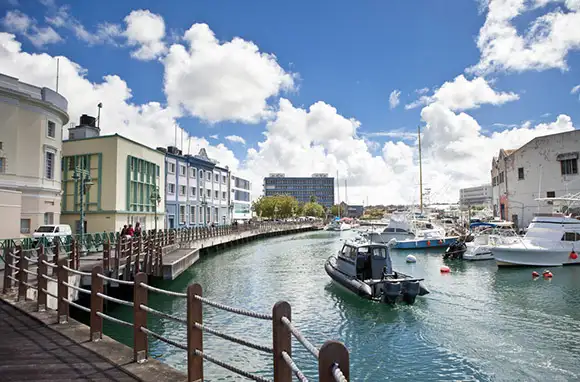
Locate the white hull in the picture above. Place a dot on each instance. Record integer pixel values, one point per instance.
(478, 252)
(539, 257)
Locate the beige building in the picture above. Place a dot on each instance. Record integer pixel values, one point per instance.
(124, 176)
(31, 121)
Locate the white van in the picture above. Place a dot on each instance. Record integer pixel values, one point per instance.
(52, 230)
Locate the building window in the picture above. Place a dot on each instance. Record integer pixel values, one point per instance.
(200, 214)
(201, 174)
(192, 191)
(192, 173)
(200, 192)
(48, 218)
(2, 165)
(49, 165)
(182, 214)
(521, 173)
(224, 195)
(171, 188)
(51, 129)
(501, 179)
(192, 214)
(182, 170)
(208, 176)
(217, 178)
(24, 225)
(209, 193)
(551, 194)
(216, 215)
(171, 168)
(216, 194)
(569, 166)
(224, 179)
(182, 190)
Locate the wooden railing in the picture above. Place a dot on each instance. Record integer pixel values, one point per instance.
(332, 356)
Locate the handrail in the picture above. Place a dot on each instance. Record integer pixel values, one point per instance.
(332, 357)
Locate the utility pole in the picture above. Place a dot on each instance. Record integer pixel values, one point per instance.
(420, 170)
(155, 199)
(83, 181)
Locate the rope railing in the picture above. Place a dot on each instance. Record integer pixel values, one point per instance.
(332, 357)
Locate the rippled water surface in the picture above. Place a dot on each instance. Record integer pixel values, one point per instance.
(477, 324)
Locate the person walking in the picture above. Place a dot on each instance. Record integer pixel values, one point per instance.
(130, 230)
(137, 229)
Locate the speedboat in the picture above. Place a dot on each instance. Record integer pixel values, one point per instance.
(486, 236)
(337, 226)
(549, 241)
(366, 270)
(412, 234)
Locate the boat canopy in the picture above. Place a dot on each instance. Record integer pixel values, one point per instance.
(481, 224)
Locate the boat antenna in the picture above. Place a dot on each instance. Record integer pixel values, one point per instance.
(420, 170)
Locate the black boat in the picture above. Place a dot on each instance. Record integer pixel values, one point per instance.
(366, 270)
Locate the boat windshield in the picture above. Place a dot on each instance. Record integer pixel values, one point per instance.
(379, 252)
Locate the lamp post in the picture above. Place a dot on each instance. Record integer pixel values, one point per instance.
(83, 181)
(155, 199)
(204, 205)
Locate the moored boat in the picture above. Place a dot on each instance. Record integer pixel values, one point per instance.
(486, 236)
(366, 270)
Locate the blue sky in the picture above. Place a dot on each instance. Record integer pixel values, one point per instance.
(348, 55)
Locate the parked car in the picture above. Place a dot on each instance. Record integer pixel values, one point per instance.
(50, 231)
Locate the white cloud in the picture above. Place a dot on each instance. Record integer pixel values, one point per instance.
(394, 98)
(422, 91)
(217, 81)
(236, 138)
(145, 30)
(575, 89)
(545, 45)
(18, 22)
(215, 136)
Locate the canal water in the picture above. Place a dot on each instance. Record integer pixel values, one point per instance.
(477, 324)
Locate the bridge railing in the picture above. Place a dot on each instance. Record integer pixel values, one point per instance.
(332, 356)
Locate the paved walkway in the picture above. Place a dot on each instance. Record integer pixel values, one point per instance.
(31, 351)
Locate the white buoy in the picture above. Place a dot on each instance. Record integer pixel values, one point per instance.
(411, 259)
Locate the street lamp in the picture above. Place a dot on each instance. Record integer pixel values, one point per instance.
(204, 205)
(83, 181)
(155, 199)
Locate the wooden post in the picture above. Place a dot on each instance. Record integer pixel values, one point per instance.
(22, 276)
(332, 352)
(139, 319)
(282, 338)
(62, 275)
(96, 304)
(106, 255)
(140, 246)
(194, 335)
(129, 258)
(8, 271)
(55, 252)
(42, 283)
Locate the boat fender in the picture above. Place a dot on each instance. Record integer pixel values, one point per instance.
(535, 274)
(547, 274)
(445, 269)
(573, 255)
(440, 241)
(411, 259)
(428, 242)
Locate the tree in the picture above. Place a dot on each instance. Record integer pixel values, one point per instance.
(312, 199)
(313, 209)
(276, 206)
(334, 210)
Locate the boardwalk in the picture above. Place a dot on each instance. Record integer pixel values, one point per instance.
(31, 351)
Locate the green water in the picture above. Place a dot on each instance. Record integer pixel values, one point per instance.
(478, 324)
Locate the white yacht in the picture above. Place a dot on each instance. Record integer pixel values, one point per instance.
(549, 241)
(486, 236)
(338, 226)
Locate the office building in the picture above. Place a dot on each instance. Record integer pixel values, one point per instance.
(122, 179)
(197, 190)
(476, 196)
(321, 186)
(545, 167)
(241, 197)
(30, 148)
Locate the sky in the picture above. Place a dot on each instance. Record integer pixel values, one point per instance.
(313, 87)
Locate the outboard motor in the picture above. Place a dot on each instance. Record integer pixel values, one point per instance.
(391, 291)
(455, 251)
(412, 289)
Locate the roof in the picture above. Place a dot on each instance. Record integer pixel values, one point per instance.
(508, 152)
(112, 136)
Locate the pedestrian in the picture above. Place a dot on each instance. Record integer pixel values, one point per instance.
(130, 230)
(137, 229)
(124, 230)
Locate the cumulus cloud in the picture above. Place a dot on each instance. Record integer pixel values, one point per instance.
(218, 81)
(545, 44)
(394, 98)
(18, 22)
(145, 30)
(575, 89)
(236, 138)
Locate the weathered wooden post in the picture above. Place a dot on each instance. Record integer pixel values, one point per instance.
(62, 277)
(42, 282)
(8, 272)
(106, 255)
(22, 276)
(139, 319)
(282, 339)
(194, 334)
(55, 252)
(129, 258)
(96, 304)
(331, 353)
(137, 255)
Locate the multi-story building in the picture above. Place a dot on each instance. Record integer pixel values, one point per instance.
(241, 197)
(476, 196)
(545, 167)
(30, 151)
(125, 181)
(197, 189)
(321, 186)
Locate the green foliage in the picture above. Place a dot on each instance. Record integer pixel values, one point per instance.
(334, 210)
(277, 206)
(312, 199)
(313, 209)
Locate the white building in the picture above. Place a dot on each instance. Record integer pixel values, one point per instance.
(545, 167)
(241, 198)
(31, 121)
(476, 196)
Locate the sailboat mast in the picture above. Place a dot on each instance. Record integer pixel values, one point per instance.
(420, 170)
(338, 192)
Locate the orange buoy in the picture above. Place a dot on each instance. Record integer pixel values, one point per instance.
(440, 241)
(428, 242)
(535, 274)
(547, 274)
(573, 255)
(445, 269)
